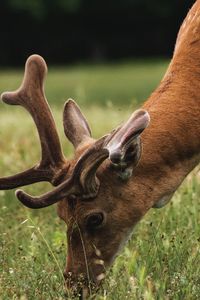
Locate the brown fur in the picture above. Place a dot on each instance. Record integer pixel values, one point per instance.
(171, 149)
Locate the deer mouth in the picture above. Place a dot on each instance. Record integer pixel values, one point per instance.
(85, 293)
(80, 286)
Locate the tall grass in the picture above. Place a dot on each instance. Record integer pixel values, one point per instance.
(161, 261)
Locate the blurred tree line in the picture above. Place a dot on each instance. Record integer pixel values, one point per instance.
(73, 30)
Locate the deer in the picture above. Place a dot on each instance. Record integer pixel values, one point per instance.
(112, 182)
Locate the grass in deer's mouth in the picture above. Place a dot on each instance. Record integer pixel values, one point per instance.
(162, 259)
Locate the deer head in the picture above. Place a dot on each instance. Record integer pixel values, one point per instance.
(92, 190)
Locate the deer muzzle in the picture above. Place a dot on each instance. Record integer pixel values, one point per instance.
(82, 284)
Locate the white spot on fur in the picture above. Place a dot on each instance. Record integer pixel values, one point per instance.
(99, 262)
(101, 276)
(163, 201)
(97, 252)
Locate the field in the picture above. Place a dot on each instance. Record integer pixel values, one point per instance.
(162, 259)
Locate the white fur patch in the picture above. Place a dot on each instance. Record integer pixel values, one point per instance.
(99, 262)
(97, 252)
(101, 276)
(163, 201)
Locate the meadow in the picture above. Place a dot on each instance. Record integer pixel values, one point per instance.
(161, 261)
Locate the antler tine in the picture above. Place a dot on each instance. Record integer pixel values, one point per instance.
(24, 178)
(63, 190)
(86, 168)
(31, 96)
(83, 183)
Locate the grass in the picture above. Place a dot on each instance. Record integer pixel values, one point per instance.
(162, 259)
(123, 83)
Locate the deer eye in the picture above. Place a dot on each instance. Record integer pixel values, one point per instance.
(94, 220)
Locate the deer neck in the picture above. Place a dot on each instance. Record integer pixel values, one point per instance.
(171, 144)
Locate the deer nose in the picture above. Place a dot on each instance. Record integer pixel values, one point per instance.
(77, 285)
(73, 281)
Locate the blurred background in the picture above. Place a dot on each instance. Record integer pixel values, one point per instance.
(68, 31)
(111, 53)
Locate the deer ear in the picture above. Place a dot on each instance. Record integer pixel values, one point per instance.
(124, 144)
(75, 124)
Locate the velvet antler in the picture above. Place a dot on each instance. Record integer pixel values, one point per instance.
(31, 96)
(83, 183)
(53, 166)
